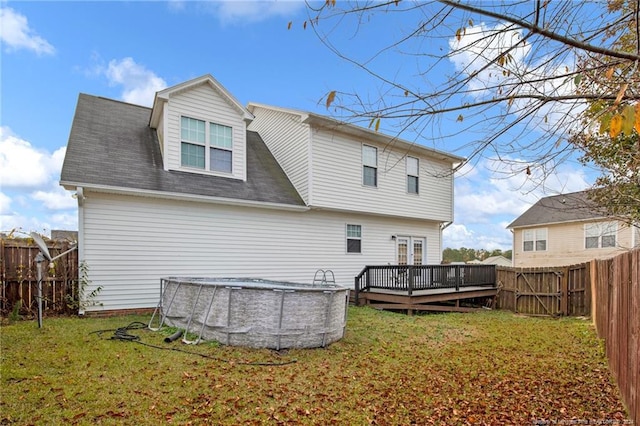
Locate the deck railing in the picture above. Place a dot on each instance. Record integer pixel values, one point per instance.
(409, 278)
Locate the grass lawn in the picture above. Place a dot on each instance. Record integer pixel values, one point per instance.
(483, 368)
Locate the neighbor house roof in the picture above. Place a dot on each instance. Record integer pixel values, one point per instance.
(570, 207)
(112, 147)
(497, 260)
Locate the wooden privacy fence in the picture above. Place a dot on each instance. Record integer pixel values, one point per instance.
(19, 273)
(608, 290)
(545, 291)
(616, 314)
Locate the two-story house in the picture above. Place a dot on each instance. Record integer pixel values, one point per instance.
(200, 185)
(568, 229)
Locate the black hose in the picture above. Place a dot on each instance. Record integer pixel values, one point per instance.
(175, 336)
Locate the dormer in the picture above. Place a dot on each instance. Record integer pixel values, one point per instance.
(201, 128)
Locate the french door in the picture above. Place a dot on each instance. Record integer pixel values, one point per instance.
(410, 250)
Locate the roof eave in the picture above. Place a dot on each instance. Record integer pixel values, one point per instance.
(70, 185)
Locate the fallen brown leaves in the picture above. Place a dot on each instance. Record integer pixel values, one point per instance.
(490, 368)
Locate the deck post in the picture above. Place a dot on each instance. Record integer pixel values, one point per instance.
(356, 286)
(457, 277)
(411, 274)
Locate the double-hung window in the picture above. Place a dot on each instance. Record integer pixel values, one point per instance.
(354, 239)
(221, 147)
(193, 138)
(369, 165)
(534, 239)
(412, 175)
(207, 151)
(600, 235)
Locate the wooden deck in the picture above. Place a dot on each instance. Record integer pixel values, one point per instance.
(448, 288)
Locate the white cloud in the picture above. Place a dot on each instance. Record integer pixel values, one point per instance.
(527, 71)
(5, 204)
(16, 34)
(245, 12)
(139, 83)
(23, 165)
(56, 198)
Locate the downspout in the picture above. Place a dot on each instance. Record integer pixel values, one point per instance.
(443, 226)
(80, 197)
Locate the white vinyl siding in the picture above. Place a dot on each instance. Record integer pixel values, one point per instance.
(337, 181)
(132, 242)
(600, 235)
(534, 239)
(204, 104)
(289, 142)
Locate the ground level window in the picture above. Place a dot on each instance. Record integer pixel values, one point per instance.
(354, 239)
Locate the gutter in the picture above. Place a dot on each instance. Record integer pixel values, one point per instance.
(184, 197)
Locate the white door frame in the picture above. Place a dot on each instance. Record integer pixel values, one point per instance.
(410, 242)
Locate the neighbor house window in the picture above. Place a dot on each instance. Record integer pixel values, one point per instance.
(600, 235)
(369, 165)
(534, 239)
(636, 235)
(412, 175)
(354, 239)
(213, 151)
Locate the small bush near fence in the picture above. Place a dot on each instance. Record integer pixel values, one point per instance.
(19, 273)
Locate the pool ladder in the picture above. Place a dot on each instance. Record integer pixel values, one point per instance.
(321, 277)
(163, 315)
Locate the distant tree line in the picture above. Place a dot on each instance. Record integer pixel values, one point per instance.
(468, 254)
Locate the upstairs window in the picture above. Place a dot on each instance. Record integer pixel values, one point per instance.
(534, 239)
(600, 235)
(354, 239)
(412, 175)
(221, 147)
(193, 143)
(369, 165)
(207, 151)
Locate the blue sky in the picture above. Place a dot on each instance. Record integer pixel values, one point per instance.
(52, 51)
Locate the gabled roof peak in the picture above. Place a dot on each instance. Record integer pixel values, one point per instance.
(163, 96)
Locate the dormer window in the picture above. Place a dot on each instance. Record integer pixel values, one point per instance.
(207, 151)
(221, 147)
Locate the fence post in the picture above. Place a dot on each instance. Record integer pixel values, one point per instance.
(564, 292)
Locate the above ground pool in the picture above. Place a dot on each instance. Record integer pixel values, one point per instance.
(254, 313)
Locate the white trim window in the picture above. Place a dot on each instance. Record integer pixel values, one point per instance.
(192, 150)
(369, 165)
(534, 239)
(206, 151)
(413, 170)
(354, 238)
(221, 147)
(600, 235)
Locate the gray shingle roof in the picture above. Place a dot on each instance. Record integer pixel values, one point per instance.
(111, 144)
(570, 207)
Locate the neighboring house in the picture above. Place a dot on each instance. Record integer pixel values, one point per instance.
(200, 185)
(496, 260)
(568, 229)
